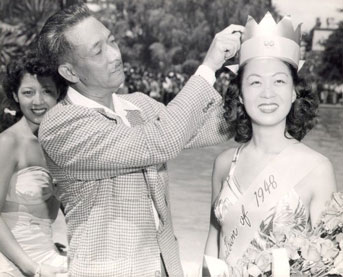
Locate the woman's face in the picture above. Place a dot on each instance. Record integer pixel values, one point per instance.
(36, 95)
(267, 91)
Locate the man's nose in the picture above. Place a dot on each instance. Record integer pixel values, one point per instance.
(113, 52)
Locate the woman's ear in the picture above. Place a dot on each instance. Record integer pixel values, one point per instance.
(15, 96)
(241, 100)
(67, 72)
(294, 95)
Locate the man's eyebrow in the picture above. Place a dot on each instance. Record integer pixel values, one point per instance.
(96, 44)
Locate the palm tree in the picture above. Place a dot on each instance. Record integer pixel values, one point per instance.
(22, 21)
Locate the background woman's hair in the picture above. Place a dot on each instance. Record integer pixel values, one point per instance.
(15, 71)
(300, 120)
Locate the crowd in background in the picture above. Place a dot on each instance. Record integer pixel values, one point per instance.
(162, 87)
(330, 93)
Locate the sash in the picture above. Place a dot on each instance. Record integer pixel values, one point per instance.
(285, 171)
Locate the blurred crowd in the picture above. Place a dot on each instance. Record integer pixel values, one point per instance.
(330, 93)
(162, 87)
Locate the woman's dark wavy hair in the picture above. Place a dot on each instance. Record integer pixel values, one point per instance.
(16, 69)
(300, 120)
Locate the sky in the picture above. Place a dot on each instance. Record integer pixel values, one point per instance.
(306, 11)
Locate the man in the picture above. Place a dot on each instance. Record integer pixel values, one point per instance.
(108, 152)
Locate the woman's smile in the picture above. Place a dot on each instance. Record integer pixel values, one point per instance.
(268, 107)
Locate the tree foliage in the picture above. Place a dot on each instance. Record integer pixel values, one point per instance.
(161, 35)
(174, 33)
(331, 67)
(21, 22)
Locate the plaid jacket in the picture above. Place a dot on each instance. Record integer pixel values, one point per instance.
(108, 173)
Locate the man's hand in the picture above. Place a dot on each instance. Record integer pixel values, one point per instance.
(224, 46)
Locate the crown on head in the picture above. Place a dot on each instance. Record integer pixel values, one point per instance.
(271, 39)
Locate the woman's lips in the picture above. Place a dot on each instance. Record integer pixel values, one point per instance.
(268, 108)
(39, 111)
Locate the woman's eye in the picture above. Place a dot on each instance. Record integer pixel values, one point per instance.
(27, 92)
(280, 81)
(255, 83)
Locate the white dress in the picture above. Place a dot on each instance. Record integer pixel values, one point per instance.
(31, 186)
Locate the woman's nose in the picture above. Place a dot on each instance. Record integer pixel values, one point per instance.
(268, 91)
(38, 98)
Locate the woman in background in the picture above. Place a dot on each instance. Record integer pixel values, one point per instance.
(27, 204)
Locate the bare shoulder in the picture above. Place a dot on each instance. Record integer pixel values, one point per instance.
(222, 163)
(9, 140)
(306, 150)
(9, 144)
(321, 177)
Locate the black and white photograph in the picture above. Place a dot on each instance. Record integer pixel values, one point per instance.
(191, 138)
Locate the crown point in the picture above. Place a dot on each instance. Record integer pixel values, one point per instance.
(269, 38)
(250, 28)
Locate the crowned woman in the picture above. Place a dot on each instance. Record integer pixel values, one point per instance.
(272, 187)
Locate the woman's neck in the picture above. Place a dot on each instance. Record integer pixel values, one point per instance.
(29, 128)
(270, 140)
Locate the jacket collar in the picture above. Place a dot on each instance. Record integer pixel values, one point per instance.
(121, 106)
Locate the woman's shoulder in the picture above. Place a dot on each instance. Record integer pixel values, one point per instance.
(9, 139)
(223, 162)
(226, 156)
(321, 175)
(9, 145)
(307, 151)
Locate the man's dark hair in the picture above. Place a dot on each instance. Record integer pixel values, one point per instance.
(52, 43)
(300, 120)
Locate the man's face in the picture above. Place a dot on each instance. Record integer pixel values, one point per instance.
(96, 57)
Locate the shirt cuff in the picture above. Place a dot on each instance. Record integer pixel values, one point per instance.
(207, 73)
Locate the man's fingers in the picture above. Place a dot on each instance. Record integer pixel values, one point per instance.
(237, 34)
(233, 29)
(229, 44)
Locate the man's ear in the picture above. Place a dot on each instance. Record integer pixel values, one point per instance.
(67, 71)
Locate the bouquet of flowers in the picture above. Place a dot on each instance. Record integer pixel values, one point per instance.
(320, 252)
(315, 253)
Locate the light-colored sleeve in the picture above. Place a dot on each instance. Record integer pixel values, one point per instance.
(85, 145)
(214, 130)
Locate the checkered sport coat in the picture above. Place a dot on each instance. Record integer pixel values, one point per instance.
(108, 173)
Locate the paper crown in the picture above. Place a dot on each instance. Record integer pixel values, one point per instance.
(270, 39)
